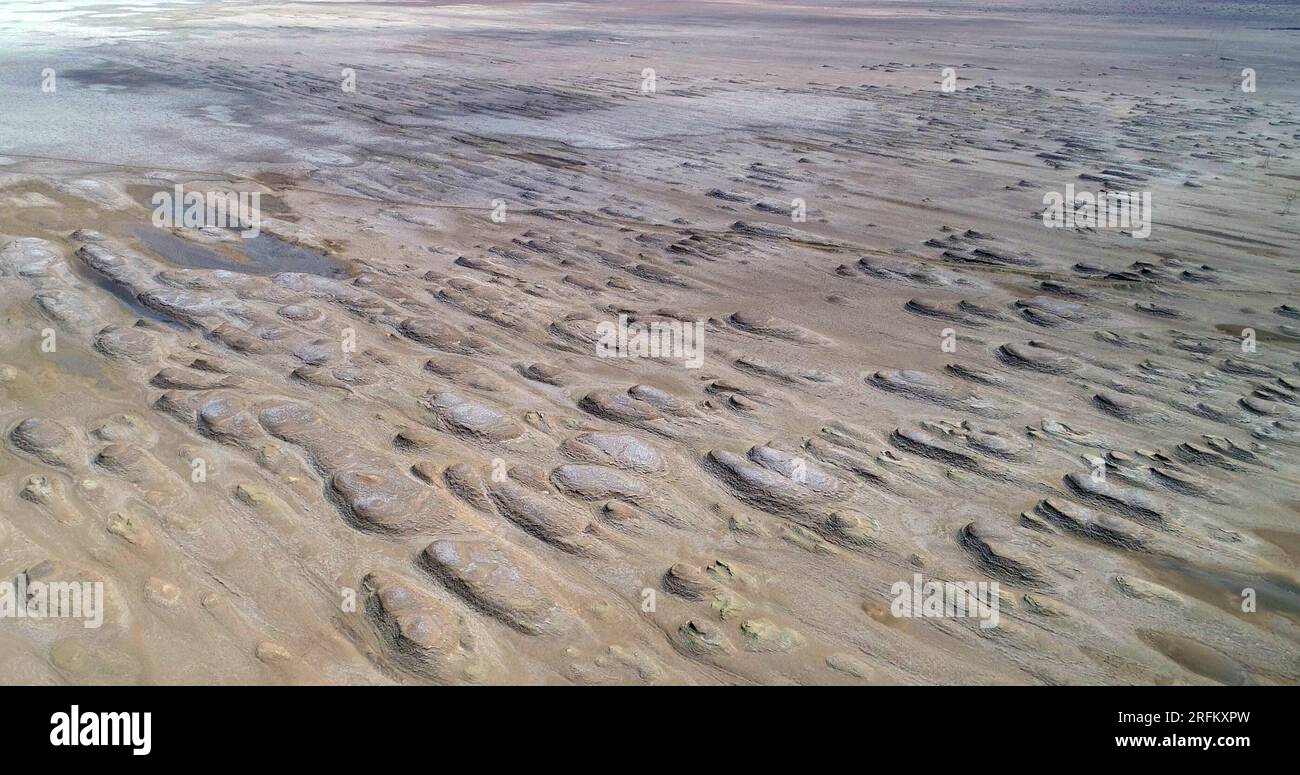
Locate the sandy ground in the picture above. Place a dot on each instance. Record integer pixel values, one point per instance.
(377, 444)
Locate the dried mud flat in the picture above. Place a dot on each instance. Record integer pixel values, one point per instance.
(395, 400)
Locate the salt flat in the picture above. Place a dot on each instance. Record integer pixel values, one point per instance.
(388, 440)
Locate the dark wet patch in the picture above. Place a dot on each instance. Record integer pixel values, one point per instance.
(1285, 540)
(1197, 657)
(1222, 588)
(122, 293)
(260, 255)
(127, 77)
(276, 255)
(547, 160)
(182, 252)
(1261, 334)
